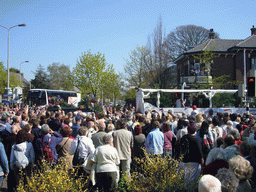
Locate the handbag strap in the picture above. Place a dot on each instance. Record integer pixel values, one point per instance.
(44, 143)
(62, 146)
(77, 145)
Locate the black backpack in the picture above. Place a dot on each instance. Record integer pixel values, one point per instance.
(77, 161)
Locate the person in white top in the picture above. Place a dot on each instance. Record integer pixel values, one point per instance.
(107, 160)
(86, 149)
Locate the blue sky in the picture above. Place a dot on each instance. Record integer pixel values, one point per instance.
(61, 30)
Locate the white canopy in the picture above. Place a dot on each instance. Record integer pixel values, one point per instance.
(209, 93)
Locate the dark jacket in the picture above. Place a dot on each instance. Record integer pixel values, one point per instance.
(193, 151)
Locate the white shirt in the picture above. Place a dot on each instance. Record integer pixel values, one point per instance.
(106, 159)
(86, 148)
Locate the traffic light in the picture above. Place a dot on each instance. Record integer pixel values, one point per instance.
(251, 86)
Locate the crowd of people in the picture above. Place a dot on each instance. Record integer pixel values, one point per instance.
(103, 146)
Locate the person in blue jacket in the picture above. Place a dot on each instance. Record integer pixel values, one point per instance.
(49, 137)
(4, 167)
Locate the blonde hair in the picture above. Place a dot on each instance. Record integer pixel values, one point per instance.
(199, 118)
(241, 167)
(111, 127)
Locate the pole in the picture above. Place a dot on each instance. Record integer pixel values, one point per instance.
(8, 50)
(245, 85)
(20, 70)
(8, 69)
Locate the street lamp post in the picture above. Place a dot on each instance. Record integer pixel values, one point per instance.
(20, 70)
(8, 50)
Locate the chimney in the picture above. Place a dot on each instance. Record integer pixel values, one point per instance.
(211, 34)
(253, 30)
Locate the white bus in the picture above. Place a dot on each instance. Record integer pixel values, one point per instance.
(44, 97)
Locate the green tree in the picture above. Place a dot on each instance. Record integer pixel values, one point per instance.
(60, 77)
(14, 81)
(92, 73)
(41, 79)
(3, 78)
(135, 68)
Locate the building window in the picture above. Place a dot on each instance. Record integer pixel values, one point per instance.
(253, 63)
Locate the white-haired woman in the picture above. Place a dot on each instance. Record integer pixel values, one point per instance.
(243, 171)
(106, 159)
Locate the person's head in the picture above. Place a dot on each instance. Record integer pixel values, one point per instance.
(241, 167)
(90, 124)
(215, 121)
(239, 127)
(121, 123)
(216, 154)
(27, 128)
(107, 139)
(78, 119)
(82, 131)
(194, 107)
(58, 116)
(24, 117)
(111, 127)
(65, 131)
(191, 129)
(220, 141)
(209, 183)
(17, 119)
(229, 140)
(35, 122)
(45, 129)
(233, 116)
(235, 134)
(66, 120)
(204, 128)
(102, 126)
(229, 182)
(14, 129)
(186, 122)
(5, 118)
(210, 112)
(137, 130)
(156, 124)
(245, 149)
(166, 127)
(199, 118)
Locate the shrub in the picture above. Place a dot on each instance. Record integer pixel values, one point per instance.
(153, 174)
(52, 179)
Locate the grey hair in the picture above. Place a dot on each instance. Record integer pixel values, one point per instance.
(241, 167)
(129, 116)
(215, 153)
(229, 182)
(209, 183)
(235, 133)
(107, 139)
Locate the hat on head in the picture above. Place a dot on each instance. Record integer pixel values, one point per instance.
(194, 107)
(78, 117)
(191, 129)
(45, 129)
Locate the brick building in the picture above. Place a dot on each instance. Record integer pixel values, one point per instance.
(229, 58)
